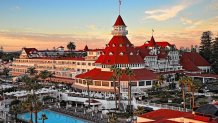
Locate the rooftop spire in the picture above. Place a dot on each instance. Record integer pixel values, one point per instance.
(119, 6)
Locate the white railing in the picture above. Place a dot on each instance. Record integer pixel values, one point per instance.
(162, 106)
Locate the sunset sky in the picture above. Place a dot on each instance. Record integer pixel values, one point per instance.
(45, 24)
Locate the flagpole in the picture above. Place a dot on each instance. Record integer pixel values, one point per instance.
(119, 6)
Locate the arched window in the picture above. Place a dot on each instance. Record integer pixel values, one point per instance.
(121, 53)
(131, 53)
(110, 53)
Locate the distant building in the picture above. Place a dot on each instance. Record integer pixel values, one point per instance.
(64, 68)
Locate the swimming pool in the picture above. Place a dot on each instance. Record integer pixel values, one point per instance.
(53, 117)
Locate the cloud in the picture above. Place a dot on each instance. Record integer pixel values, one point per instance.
(12, 41)
(190, 23)
(165, 14)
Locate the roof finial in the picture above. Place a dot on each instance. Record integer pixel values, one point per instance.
(119, 6)
(152, 32)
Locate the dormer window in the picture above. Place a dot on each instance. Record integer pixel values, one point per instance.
(131, 53)
(110, 53)
(121, 53)
(127, 45)
(113, 45)
(121, 45)
(107, 45)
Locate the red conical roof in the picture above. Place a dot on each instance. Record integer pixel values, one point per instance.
(152, 42)
(86, 48)
(119, 21)
(120, 51)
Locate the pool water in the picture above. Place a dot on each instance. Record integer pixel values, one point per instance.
(53, 117)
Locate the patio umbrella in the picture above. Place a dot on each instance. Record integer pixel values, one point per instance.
(208, 109)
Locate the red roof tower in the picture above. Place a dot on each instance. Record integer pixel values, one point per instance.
(121, 53)
(120, 50)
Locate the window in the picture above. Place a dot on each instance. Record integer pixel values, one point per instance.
(90, 53)
(89, 64)
(141, 83)
(148, 83)
(113, 45)
(121, 45)
(105, 84)
(110, 53)
(134, 83)
(121, 53)
(131, 53)
(78, 63)
(97, 83)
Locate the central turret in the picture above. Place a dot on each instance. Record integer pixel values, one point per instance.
(119, 27)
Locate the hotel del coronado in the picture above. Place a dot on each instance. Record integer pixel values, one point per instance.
(147, 62)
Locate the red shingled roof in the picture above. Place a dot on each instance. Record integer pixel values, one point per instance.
(120, 51)
(119, 21)
(165, 114)
(30, 50)
(98, 74)
(191, 60)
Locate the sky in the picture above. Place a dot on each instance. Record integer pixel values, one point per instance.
(45, 24)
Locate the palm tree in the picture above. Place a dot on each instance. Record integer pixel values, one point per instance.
(32, 71)
(15, 108)
(88, 82)
(139, 111)
(71, 46)
(129, 73)
(37, 106)
(43, 118)
(28, 105)
(160, 79)
(50, 75)
(44, 74)
(113, 118)
(182, 82)
(193, 85)
(118, 75)
(113, 78)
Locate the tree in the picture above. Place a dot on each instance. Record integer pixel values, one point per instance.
(160, 79)
(88, 82)
(129, 73)
(71, 46)
(32, 71)
(50, 75)
(37, 106)
(15, 108)
(113, 78)
(43, 118)
(113, 118)
(118, 73)
(6, 72)
(215, 55)
(44, 74)
(32, 103)
(183, 81)
(206, 45)
(27, 106)
(193, 86)
(139, 111)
